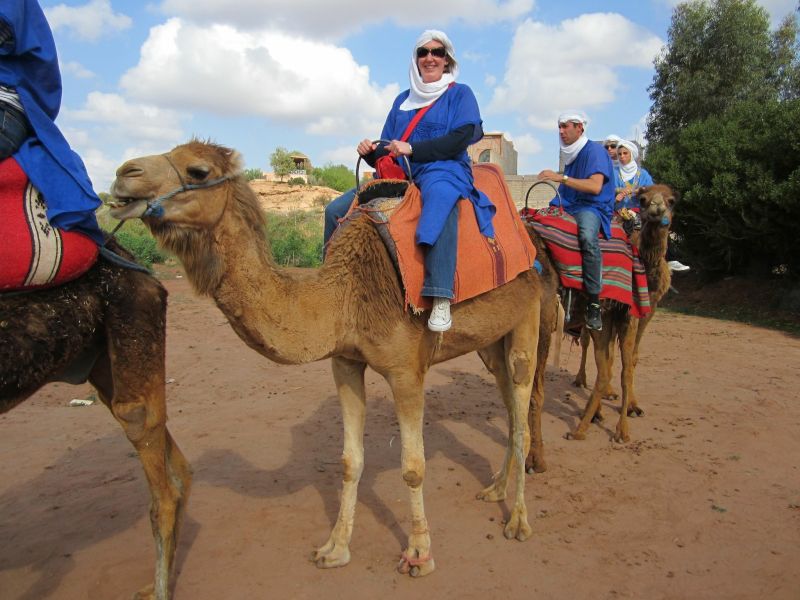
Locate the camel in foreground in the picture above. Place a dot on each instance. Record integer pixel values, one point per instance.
(656, 204)
(199, 206)
(107, 326)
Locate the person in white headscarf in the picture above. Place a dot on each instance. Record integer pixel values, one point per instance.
(629, 176)
(610, 144)
(437, 150)
(586, 192)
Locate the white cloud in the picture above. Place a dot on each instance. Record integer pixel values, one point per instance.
(77, 69)
(109, 121)
(323, 19)
(90, 21)
(268, 74)
(572, 65)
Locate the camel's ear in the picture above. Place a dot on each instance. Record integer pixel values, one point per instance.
(235, 161)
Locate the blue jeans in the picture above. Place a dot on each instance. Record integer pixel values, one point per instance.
(440, 260)
(335, 210)
(13, 130)
(588, 230)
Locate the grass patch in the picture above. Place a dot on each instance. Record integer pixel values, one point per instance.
(134, 237)
(296, 238)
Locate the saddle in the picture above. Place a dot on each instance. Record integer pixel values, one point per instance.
(624, 277)
(33, 253)
(482, 263)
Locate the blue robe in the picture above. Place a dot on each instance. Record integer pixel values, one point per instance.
(443, 182)
(641, 179)
(590, 160)
(31, 67)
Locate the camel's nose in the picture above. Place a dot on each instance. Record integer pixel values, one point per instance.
(129, 169)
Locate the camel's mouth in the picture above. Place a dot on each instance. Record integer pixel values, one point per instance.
(127, 208)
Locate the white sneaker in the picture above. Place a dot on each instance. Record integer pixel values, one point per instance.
(440, 315)
(678, 266)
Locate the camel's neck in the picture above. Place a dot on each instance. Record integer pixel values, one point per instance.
(290, 317)
(652, 250)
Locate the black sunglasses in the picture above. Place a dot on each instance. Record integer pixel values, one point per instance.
(607, 146)
(439, 52)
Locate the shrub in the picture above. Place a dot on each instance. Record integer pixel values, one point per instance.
(296, 238)
(251, 174)
(297, 181)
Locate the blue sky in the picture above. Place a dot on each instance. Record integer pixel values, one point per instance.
(318, 76)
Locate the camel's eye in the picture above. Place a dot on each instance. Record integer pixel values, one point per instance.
(198, 173)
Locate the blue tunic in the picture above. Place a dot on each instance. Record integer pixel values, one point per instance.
(641, 179)
(443, 182)
(31, 67)
(590, 160)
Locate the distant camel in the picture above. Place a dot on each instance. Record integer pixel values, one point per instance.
(657, 203)
(107, 326)
(350, 310)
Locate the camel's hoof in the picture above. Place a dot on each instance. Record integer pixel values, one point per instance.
(535, 466)
(598, 417)
(622, 437)
(416, 567)
(517, 528)
(635, 411)
(611, 395)
(580, 383)
(575, 435)
(331, 555)
(491, 494)
(146, 593)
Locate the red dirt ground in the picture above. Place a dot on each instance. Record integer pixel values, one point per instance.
(703, 503)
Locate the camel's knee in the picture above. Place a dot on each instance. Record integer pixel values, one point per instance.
(521, 365)
(133, 416)
(352, 467)
(413, 473)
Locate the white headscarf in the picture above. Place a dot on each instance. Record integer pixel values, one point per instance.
(421, 93)
(615, 139)
(628, 171)
(570, 152)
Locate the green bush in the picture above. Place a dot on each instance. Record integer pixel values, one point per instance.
(297, 181)
(337, 177)
(251, 174)
(134, 236)
(296, 238)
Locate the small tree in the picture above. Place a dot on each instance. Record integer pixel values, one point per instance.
(281, 162)
(333, 176)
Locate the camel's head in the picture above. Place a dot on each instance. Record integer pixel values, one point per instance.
(184, 188)
(656, 203)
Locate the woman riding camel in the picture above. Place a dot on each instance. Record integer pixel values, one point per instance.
(440, 165)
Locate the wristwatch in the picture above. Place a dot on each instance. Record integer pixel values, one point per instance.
(410, 149)
(564, 178)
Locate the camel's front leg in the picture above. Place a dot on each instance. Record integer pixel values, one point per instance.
(627, 349)
(580, 376)
(416, 559)
(349, 378)
(139, 406)
(602, 345)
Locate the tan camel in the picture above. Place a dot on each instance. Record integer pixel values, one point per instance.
(657, 203)
(108, 326)
(350, 310)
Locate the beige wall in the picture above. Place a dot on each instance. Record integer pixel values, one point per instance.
(501, 152)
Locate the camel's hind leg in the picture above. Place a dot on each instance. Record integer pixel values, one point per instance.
(349, 378)
(130, 381)
(513, 365)
(580, 376)
(627, 350)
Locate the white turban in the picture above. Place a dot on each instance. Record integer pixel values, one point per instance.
(421, 93)
(613, 138)
(573, 116)
(633, 148)
(628, 171)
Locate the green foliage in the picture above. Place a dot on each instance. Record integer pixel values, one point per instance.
(281, 162)
(297, 181)
(251, 174)
(296, 239)
(134, 236)
(724, 131)
(333, 176)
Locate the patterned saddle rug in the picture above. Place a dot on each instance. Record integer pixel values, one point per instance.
(33, 254)
(624, 278)
(482, 263)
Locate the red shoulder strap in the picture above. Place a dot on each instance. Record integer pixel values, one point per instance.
(418, 117)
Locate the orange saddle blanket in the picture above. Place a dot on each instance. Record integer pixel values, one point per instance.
(482, 263)
(33, 254)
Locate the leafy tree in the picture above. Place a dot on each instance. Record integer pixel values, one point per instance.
(281, 162)
(251, 174)
(333, 176)
(724, 131)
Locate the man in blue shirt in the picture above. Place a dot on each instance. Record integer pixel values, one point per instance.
(587, 193)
